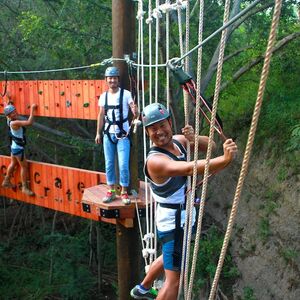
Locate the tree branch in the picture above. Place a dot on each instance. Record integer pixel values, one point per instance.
(236, 53)
(214, 60)
(259, 59)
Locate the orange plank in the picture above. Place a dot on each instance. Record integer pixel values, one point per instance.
(68, 99)
(95, 89)
(85, 103)
(51, 98)
(56, 101)
(46, 99)
(65, 189)
(76, 99)
(37, 184)
(73, 99)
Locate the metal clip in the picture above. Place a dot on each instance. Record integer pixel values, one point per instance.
(177, 69)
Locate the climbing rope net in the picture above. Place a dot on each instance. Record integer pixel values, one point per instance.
(155, 15)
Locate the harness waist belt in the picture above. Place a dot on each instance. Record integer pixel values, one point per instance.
(167, 238)
(173, 206)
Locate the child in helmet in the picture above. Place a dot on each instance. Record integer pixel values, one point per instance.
(17, 146)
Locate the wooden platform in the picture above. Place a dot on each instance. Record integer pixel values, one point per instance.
(115, 211)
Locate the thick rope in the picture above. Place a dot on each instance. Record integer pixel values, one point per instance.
(152, 223)
(189, 203)
(156, 52)
(180, 29)
(168, 54)
(140, 78)
(196, 150)
(209, 148)
(254, 122)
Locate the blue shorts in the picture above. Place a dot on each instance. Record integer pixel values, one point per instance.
(168, 250)
(168, 242)
(17, 152)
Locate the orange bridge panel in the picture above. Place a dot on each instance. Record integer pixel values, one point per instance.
(76, 99)
(56, 187)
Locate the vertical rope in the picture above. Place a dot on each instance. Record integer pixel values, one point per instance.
(189, 206)
(168, 54)
(149, 21)
(179, 26)
(140, 80)
(197, 130)
(156, 51)
(209, 148)
(152, 211)
(245, 164)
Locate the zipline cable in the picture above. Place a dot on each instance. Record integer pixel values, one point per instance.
(226, 25)
(112, 59)
(103, 63)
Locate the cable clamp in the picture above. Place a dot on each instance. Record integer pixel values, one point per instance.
(106, 61)
(177, 69)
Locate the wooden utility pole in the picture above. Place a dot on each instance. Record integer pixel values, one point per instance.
(128, 242)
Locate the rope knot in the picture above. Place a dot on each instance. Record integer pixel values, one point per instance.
(157, 13)
(149, 20)
(140, 14)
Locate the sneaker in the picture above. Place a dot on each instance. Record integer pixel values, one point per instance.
(110, 196)
(125, 199)
(7, 184)
(136, 293)
(27, 191)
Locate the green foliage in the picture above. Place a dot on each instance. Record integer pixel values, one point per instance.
(210, 247)
(294, 142)
(248, 294)
(289, 255)
(282, 174)
(264, 229)
(25, 266)
(271, 202)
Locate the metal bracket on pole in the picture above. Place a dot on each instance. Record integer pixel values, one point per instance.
(86, 207)
(110, 213)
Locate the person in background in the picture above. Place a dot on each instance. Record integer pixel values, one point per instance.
(167, 170)
(114, 106)
(17, 146)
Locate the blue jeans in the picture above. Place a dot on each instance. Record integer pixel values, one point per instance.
(122, 148)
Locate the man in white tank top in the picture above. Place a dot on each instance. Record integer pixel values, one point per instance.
(167, 170)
